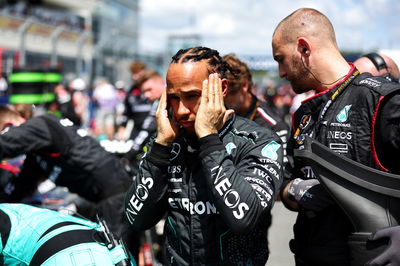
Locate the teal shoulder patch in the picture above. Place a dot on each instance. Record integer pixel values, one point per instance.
(270, 150)
(229, 147)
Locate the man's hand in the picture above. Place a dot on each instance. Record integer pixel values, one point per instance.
(212, 113)
(391, 256)
(167, 128)
(309, 194)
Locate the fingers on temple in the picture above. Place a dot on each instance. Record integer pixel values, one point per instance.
(220, 93)
(211, 87)
(204, 91)
(163, 101)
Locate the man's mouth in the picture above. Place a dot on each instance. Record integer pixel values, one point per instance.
(186, 123)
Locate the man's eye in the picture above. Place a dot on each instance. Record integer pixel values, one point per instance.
(192, 96)
(173, 97)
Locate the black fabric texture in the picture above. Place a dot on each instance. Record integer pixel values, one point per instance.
(159, 155)
(60, 242)
(5, 227)
(209, 144)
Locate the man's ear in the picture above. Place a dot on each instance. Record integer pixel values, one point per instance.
(303, 46)
(246, 86)
(224, 87)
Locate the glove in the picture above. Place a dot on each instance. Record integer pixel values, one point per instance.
(391, 256)
(309, 194)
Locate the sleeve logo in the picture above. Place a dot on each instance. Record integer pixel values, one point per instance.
(229, 147)
(270, 149)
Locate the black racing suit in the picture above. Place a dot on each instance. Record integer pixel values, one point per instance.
(349, 127)
(137, 108)
(216, 191)
(148, 128)
(56, 149)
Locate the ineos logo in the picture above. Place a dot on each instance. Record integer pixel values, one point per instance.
(176, 149)
(236, 198)
(141, 192)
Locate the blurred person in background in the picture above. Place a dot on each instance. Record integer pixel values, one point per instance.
(241, 99)
(282, 101)
(137, 106)
(352, 111)
(26, 110)
(106, 99)
(151, 86)
(378, 65)
(63, 106)
(80, 101)
(120, 108)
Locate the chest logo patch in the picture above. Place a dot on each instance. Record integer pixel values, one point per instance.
(176, 149)
(343, 115)
(229, 147)
(270, 149)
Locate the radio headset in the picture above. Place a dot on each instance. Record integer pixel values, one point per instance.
(380, 64)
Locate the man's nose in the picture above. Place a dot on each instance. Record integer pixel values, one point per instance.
(183, 109)
(282, 72)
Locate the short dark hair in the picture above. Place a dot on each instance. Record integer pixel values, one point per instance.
(147, 74)
(137, 66)
(237, 80)
(200, 53)
(7, 115)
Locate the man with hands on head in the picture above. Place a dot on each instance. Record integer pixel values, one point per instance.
(216, 175)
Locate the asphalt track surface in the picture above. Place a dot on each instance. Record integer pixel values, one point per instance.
(280, 232)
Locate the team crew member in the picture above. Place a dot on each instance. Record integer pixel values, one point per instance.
(151, 86)
(214, 174)
(241, 99)
(58, 150)
(35, 236)
(353, 114)
(137, 107)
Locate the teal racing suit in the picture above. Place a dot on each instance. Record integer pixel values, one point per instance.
(35, 236)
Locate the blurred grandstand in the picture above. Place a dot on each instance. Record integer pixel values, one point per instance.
(95, 39)
(82, 38)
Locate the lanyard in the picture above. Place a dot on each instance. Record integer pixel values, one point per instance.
(306, 119)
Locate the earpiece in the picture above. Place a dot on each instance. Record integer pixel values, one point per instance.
(304, 50)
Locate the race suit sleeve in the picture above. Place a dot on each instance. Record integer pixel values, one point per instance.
(148, 128)
(243, 187)
(387, 131)
(145, 201)
(30, 136)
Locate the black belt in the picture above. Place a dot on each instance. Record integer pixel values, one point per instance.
(62, 241)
